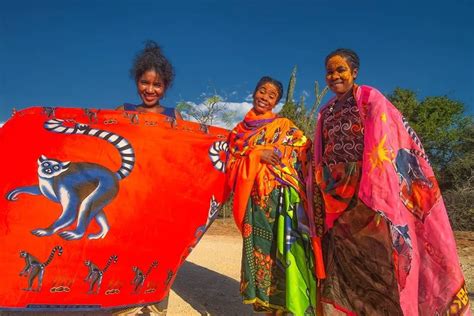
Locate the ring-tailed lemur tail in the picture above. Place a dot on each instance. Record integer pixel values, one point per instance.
(123, 146)
(416, 139)
(153, 265)
(34, 269)
(215, 152)
(420, 154)
(112, 259)
(59, 249)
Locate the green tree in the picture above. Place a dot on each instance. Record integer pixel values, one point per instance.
(208, 111)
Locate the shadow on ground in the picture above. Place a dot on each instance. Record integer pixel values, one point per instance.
(209, 292)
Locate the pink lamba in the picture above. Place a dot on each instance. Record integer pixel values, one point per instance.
(429, 276)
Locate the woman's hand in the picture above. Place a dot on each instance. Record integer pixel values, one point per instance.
(269, 156)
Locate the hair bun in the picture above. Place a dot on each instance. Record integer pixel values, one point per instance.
(152, 47)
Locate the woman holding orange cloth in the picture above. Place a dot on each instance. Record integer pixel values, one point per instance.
(268, 158)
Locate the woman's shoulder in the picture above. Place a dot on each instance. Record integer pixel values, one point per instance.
(284, 122)
(368, 91)
(374, 101)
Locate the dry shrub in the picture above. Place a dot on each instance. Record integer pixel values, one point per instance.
(460, 205)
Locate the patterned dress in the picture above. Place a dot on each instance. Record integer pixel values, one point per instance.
(352, 285)
(389, 248)
(278, 271)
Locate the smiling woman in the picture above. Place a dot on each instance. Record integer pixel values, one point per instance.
(153, 75)
(268, 158)
(265, 97)
(388, 246)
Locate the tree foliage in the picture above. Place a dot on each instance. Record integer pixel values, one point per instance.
(211, 109)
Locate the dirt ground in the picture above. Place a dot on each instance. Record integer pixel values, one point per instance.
(465, 243)
(208, 283)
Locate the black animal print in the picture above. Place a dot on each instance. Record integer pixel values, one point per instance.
(140, 277)
(35, 269)
(95, 275)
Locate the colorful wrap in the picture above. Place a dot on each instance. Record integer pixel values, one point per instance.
(398, 182)
(244, 168)
(99, 208)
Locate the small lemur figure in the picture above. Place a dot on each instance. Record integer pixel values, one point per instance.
(35, 269)
(95, 275)
(82, 188)
(214, 207)
(140, 277)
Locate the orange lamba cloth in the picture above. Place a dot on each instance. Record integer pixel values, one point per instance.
(244, 167)
(99, 208)
(245, 171)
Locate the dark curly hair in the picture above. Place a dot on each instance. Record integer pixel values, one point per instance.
(348, 54)
(276, 83)
(151, 58)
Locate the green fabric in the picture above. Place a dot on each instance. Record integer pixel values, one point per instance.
(276, 275)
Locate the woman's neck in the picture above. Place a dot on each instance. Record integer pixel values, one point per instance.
(156, 108)
(343, 97)
(263, 115)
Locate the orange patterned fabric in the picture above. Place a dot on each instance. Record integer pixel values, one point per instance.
(99, 208)
(244, 168)
(247, 175)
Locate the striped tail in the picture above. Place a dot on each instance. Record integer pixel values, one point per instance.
(59, 249)
(154, 264)
(112, 259)
(215, 152)
(416, 139)
(420, 154)
(123, 146)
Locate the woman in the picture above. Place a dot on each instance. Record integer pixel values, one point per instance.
(153, 75)
(268, 156)
(388, 246)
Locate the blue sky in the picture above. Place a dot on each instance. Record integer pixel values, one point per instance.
(78, 53)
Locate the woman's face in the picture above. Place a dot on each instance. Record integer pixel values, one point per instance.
(265, 98)
(339, 75)
(151, 88)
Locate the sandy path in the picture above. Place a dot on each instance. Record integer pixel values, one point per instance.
(208, 282)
